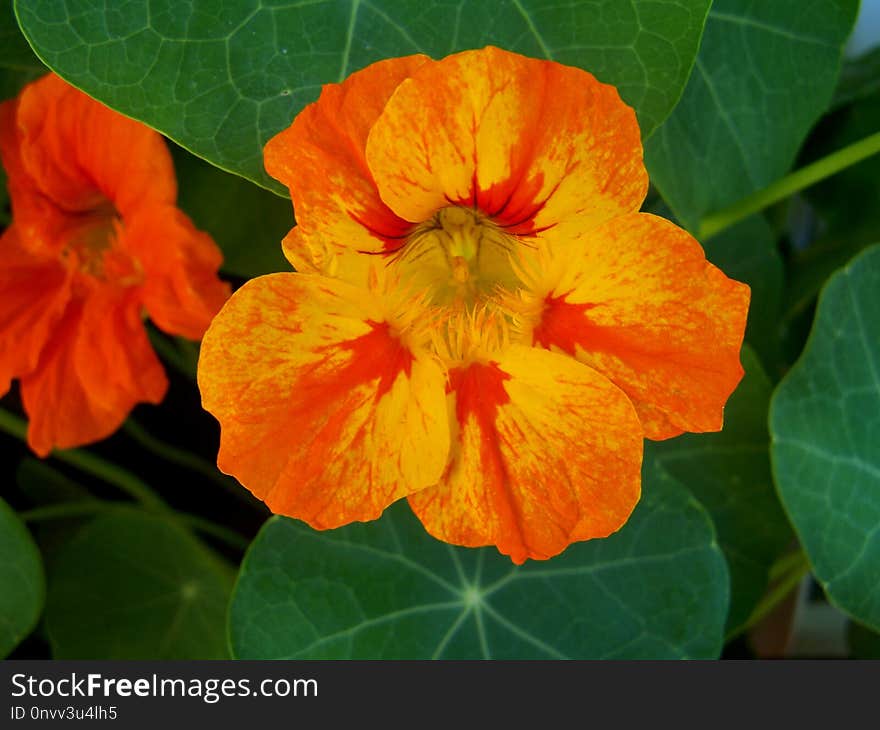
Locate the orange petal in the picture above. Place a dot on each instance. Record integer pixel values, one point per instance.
(33, 295)
(548, 453)
(96, 367)
(637, 300)
(40, 222)
(326, 414)
(529, 142)
(320, 158)
(78, 151)
(181, 290)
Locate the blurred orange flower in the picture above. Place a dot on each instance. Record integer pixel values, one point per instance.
(95, 241)
(484, 324)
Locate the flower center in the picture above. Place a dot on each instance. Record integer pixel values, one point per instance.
(90, 246)
(89, 236)
(458, 256)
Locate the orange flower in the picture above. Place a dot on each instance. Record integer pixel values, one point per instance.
(95, 240)
(483, 323)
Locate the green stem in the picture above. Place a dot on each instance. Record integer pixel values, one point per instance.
(91, 464)
(230, 537)
(112, 474)
(64, 511)
(787, 563)
(171, 354)
(790, 578)
(189, 353)
(788, 185)
(87, 508)
(13, 425)
(118, 477)
(185, 459)
(169, 452)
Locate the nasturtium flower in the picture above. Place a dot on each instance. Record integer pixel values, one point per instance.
(482, 320)
(96, 240)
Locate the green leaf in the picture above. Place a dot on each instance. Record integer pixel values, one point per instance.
(859, 78)
(132, 585)
(863, 643)
(15, 53)
(222, 77)
(729, 473)
(765, 73)
(657, 588)
(747, 252)
(245, 220)
(43, 484)
(825, 425)
(22, 585)
(848, 206)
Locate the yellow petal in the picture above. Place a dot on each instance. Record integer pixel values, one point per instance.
(636, 300)
(547, 452)
(529, 143)
(327, 412)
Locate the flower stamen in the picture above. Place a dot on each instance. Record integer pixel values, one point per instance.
(460, 255)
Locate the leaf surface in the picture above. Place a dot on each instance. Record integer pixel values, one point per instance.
(386, 589)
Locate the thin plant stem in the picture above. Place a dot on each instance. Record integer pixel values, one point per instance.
(65, 510)
(185, 459)
(90, 507)
(91, 464)
(171, 354)
(13, 425)
(789, 185)
(787, 581)
(789, 561)
(120, 478)
(206, 527)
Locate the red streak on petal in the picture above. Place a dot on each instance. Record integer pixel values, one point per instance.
(376, 354)
(562, 324)
(479, 391)
(390, 230)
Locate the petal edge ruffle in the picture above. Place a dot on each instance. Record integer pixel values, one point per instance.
(636, 300)
(326, 413)
(548, 452)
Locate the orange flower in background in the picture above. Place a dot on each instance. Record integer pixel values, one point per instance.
(95, 241)
(483, 322)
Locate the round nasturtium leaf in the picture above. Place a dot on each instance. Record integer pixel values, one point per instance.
(729, 473)
(765, 73)
(825, 426)
(132, 585)
(386, 589)
(222, 77)
(22, 585)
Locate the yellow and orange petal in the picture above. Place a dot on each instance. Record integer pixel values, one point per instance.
(636, 300)
(546, 452)
(504, 192)
(529, 143)
(97, 365)
(328, 412)
(320, 158)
